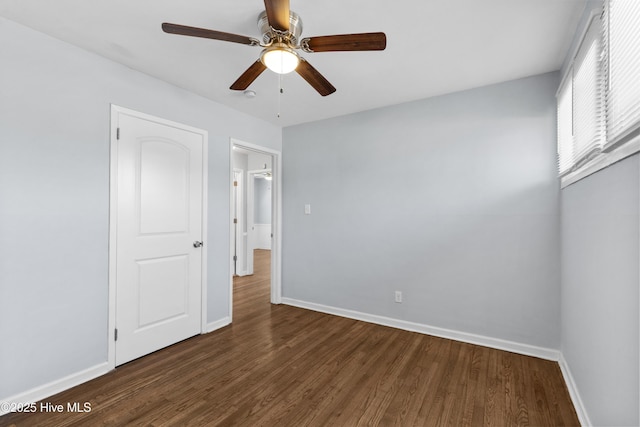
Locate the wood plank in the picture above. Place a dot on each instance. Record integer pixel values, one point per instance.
(281, 365)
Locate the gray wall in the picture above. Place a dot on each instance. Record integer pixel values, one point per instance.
(54, 198)
(262, 196)
(600, 276)
(453, 200)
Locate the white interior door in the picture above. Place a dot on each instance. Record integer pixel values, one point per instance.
(158, 237)
(251, 229)
(239, 233)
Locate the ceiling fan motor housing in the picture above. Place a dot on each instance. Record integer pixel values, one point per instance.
(269, 35)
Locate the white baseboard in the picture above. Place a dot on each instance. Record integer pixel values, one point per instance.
(55, 387)
(514, 347)
(573, 392)
(217, 324)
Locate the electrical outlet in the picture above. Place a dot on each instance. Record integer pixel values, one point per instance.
(398, 296)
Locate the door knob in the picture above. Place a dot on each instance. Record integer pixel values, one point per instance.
(197, 244)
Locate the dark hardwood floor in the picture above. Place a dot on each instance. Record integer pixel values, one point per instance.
(284, 366)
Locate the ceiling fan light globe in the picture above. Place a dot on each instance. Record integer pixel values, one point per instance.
(280, 59)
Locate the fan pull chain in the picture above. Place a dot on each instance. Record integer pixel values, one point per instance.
(280, 92)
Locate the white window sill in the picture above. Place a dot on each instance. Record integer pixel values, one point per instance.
(602, 161)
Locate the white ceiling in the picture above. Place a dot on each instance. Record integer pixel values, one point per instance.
(433, 46)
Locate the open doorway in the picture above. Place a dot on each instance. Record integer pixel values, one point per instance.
(258, 217)
(255, 218)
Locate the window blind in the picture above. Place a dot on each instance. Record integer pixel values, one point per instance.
(581, 122)
(622, 43)
(588, 85)
(565, 126)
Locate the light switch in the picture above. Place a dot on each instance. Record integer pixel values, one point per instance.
(307, 209)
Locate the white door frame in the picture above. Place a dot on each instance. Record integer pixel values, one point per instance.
(116, 111)
(276, 219)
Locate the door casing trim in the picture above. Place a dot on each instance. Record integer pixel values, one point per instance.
(251, 234)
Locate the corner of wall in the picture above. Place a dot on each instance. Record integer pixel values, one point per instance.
(581, 410)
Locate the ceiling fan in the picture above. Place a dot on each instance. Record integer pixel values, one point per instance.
(281, 29)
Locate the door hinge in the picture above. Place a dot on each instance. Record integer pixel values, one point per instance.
(235, 257)
(118, 133)
(115, 335)
(235, 220)
(235, 183)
